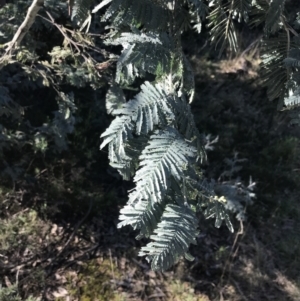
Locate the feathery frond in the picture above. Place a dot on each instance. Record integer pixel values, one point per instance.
(164, 157)
(221, 22)
(150, 107)
(143, 216)
(173, 235)
(258, 12)
(153, 136)
(152, 15)
(274, 73)
(143, 52)
(222, 30)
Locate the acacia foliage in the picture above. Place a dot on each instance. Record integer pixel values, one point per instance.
(153, 138)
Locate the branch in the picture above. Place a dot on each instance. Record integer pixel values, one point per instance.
(72, 41)
(26, 25)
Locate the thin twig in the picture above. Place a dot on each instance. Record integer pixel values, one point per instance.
(64, 31)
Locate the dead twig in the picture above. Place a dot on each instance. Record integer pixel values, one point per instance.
(77, 45)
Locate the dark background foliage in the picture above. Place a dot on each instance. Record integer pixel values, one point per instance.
(60, 199)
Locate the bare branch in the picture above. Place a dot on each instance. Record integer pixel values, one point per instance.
(26, 25)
